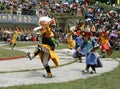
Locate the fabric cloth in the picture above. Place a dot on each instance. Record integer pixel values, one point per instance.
(70, 41)
(14, 38)
(52, 55)
(48, 47)
(91, 59)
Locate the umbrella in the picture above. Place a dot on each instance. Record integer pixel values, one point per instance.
(7, 32)
(114, 35)
(37, 28)
(57, 4)
(66, 3)
(73, 28)
(88, 19)
(89, 15)
(38, 33)
(112, 11)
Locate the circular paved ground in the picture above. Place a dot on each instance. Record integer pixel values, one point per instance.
(11, 70)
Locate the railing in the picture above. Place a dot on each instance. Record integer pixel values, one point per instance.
(6, 18)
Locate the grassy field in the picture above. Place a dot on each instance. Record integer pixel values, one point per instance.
(24, 44)
(5, 53)
(110, 80)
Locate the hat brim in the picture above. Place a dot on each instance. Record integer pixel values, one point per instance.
(95, 48)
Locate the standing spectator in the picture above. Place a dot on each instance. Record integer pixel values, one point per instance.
(19, 11)
(87, 2)
(8, 37)
(2, 8)
(33, 38)
(79, 12)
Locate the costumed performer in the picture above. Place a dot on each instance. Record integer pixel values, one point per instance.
(92, 57)
(80, 50)
(14, 38)
(69, 36)
(46, 49)
(105, 45)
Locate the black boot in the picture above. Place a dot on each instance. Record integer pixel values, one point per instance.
(49, 74)
(79, 56)
(28, 54)
(86, 70)
(93, 69)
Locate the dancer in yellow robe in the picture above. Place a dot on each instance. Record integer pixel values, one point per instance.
(105, 45)
(45, 50)
(14, 38)
(70, 41)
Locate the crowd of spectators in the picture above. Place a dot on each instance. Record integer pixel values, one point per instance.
(99, 21)
(34, 7)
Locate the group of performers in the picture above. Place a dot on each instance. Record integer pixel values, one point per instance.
(81, 37)
(86, 42)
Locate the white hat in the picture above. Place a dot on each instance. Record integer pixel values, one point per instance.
(45, 18)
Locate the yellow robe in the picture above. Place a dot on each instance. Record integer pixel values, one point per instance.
(70, 41)
(103, 40)
(14, 38)
(52, 55)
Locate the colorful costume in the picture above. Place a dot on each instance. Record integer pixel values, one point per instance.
(14, 38)
(70, 41)
(46, 49)
(92, 58)
(105, 46)
(79, 49)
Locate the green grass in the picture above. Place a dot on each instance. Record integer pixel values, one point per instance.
(5, 53)
(24, 44)
(116, 54)
(61, 46)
